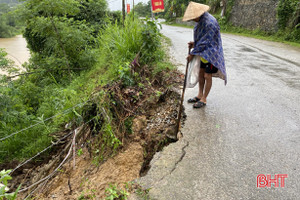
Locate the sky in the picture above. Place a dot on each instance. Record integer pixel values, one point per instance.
(117, 4)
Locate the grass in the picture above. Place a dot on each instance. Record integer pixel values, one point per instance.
(258, 34)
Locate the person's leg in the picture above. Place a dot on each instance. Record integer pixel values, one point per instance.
(201, 82)
(209, 70)
(208, 84)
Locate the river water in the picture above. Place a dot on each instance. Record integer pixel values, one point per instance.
(16, 48)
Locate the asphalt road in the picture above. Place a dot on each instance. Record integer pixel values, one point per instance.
(249, 127)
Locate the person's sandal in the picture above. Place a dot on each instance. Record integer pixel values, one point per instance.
(199, 104)
(193, 100)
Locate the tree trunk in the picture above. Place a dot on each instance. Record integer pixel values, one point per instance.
(224, 2)
(123, 11)
(133, 9)
(296, 19)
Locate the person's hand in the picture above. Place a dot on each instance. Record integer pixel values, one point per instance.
(191, 45)
(190, 58)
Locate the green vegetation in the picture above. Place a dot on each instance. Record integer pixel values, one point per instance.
(85, 195)
(9, 23)
(60, 38)
(9, 1)
(113, 192)
(288, 12)
(142, 9)
(4, 62)
(4, 178)
(75, 56)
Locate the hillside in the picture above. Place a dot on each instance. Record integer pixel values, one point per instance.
(9, 1)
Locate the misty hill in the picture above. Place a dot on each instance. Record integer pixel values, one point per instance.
(9, 1)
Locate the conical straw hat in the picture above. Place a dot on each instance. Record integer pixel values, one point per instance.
(194, 10)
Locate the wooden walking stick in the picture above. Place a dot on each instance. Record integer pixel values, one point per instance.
(182, 96)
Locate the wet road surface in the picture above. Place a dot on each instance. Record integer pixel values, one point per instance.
(249, 127)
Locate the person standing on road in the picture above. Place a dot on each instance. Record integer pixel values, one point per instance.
(207, 50)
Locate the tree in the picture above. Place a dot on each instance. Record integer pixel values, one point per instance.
(142, 9)
(59, 34)
(4, 62)
(9, 1)
(7, 21)
(93, 12)
(223, 12)
(6, 65)
(287, 13)
(175, 8)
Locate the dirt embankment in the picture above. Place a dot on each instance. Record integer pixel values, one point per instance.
(150, 114)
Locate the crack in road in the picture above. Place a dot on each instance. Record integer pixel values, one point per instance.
(182, 156)
(177, 162)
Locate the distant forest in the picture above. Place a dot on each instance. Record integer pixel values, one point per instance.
(9, 1)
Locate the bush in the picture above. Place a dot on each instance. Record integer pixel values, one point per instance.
(61, 35)
(286, 10)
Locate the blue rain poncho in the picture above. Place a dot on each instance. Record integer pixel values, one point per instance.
(208, 43)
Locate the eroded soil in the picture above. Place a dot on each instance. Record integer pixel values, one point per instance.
(89, 178)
